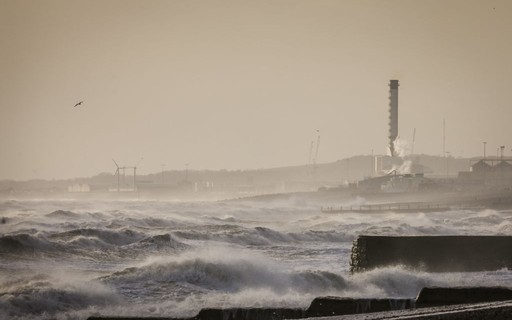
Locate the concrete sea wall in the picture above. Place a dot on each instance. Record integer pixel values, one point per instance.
(428, 298)
(433, 253)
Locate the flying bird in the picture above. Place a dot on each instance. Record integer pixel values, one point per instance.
(78, 104)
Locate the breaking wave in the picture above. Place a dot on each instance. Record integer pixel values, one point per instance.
(47, 296)
(228, 274)
(260, 236)
(21, 243)
(162, 241)
(109, 237)
(63, 214)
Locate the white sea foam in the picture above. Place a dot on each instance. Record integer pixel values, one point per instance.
(64, 259)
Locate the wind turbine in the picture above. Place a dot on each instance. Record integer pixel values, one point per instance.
(117, 174)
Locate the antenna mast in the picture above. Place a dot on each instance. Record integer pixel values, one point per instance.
(444, 138)
(413, 139)
(317, 145)
(163, 178)
(310, 152)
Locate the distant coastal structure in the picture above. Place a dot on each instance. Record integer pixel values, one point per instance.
(489, 171)
(79, 187)
(393, 115)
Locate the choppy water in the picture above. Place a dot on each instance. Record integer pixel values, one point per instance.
(74, 259)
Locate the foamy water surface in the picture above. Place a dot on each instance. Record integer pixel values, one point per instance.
(74, 259)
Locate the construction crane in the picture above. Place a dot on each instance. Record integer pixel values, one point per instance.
(310, 152)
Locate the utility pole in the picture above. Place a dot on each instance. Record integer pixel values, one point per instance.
(310, 151)
(348, 170)
(135, 188)
(134, 178)
(163, 179)
(444, 137)
(372, 165)
(413, 139)
(317, 145)
(447, 159)
(502, 173)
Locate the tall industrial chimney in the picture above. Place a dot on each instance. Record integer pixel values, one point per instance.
(393, 115)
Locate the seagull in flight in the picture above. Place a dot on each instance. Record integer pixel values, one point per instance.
(78, 104)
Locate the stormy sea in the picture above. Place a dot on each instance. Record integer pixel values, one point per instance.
(65, 259)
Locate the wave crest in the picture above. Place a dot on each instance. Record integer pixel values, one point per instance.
(22, 243)
(110, 237)
(230, 275)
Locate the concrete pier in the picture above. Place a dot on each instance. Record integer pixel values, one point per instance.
(432, 253)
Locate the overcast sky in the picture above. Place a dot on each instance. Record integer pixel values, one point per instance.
(245, 84)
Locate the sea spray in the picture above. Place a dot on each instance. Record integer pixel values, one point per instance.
(170, 259)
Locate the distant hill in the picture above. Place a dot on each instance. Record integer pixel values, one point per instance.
(282, 179)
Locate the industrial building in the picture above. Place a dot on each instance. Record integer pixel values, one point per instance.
(488, 172)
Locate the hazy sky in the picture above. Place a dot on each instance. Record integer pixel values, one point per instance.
(245, 84)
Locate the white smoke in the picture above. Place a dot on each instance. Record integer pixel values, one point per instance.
(402, 147)
(405, 168)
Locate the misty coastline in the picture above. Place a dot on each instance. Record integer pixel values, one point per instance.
(245, 244)
(221, 184)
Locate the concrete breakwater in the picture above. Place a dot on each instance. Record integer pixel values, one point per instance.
(336, 306)
(320, 307)
(500, 310)
(434, 297)
(329, 306)
(432, 253)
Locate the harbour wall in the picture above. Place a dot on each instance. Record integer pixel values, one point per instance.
(338, 306)
(432, 253)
